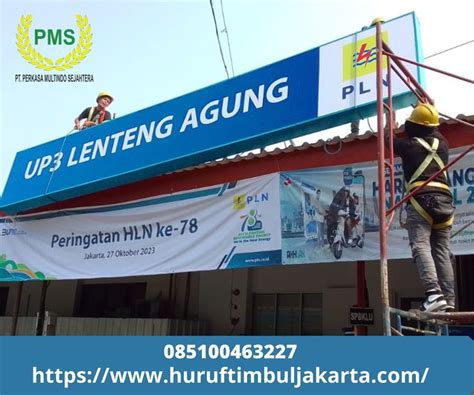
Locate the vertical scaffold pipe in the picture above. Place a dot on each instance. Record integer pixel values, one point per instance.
(362, 297)
(381, 181)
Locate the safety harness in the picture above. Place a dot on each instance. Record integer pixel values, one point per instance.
(101, 115)
(413, 183)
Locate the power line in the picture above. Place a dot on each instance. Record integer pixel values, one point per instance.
(449, 49)
(218, 39)
(228, 40)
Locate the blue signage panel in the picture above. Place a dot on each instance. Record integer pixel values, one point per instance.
(253, 110)
(318, 89)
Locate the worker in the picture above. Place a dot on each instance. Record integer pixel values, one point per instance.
(430, 211)
(97, 114)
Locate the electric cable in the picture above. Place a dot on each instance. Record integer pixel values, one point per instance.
(226, 31)
(218, 39)
(449, 49)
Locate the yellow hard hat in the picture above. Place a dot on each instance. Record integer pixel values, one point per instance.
(377, 20)
(107, 94)
(424, 114)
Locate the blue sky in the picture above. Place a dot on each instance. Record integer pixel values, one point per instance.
(146, 52)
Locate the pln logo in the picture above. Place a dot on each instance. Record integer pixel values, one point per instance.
(251, 221)
(241, 201)
(77, 42)
(360, 58)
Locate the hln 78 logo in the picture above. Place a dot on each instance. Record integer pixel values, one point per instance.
(53, 37)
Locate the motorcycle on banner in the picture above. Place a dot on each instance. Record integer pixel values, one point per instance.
(344, 224)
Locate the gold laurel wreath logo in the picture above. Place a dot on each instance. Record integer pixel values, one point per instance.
(35, 58)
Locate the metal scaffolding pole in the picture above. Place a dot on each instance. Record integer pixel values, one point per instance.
(381, 181)
(438, 319)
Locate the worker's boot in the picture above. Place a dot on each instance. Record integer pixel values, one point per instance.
(434, 302)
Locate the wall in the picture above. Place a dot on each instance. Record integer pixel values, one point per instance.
(60, 295)
(337, 282)
(218, 305)
(223, 298)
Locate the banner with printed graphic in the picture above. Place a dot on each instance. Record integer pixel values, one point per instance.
(331, 214)
(226, 226)
(310, 216)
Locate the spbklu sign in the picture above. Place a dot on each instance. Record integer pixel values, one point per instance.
(315, 90)
(361, 316)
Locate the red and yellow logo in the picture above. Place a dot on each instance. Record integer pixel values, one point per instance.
(359, 57)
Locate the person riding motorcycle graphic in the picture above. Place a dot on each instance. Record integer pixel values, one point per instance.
(355, 216)
(343, 222)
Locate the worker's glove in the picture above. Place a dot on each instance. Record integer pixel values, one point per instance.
(88, 124)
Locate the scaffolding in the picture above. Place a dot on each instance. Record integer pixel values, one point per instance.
(386, 216)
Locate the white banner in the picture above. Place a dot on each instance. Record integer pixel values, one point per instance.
(309, 216)
(226, 226)
(331, 214)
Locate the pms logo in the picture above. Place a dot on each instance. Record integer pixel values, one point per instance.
(251, 221)
(359, 59)
(52, 37)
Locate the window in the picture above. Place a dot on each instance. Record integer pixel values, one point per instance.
(111, 300)
(3, 299)
(287, 314)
